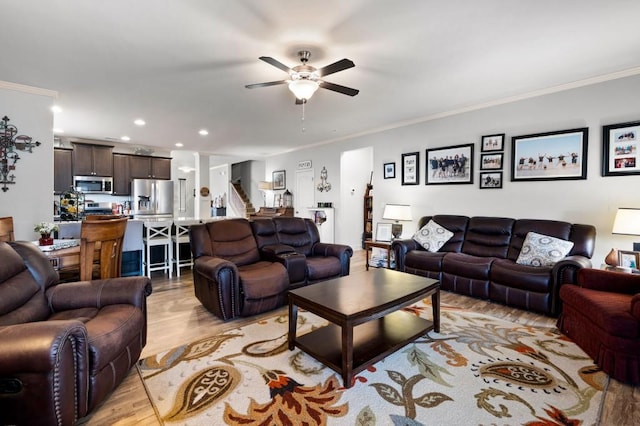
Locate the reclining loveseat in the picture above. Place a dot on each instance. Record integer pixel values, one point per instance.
(63, 346)
(496, 258)
(244, 268)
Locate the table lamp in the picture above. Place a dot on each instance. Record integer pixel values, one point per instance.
(627, 222)
(396, 212)
(265, 186)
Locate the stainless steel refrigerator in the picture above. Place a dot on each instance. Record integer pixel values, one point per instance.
(152, 198)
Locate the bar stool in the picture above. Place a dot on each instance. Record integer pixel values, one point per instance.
(181, 236)
(158, 233)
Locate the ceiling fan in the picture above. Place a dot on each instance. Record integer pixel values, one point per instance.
(304, 79)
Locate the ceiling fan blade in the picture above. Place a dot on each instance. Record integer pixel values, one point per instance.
(267, 84)
(275, 63)
(340, 65)
(340, 89)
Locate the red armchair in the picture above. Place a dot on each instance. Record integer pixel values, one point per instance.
(601, 314)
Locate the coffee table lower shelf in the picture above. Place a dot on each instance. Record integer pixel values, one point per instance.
(372, 341)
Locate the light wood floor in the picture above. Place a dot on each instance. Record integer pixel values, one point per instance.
(176, 317)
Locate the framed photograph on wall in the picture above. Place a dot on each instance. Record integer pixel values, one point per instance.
(491, 161)
(492, 143)
(490, 180)
(389, 170)
(450, 165)
(410, 168)
(279, 179)
(558, 155)
(383, 232)
(628, 259)
(620, 155)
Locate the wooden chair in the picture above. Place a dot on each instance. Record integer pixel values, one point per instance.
(6, 229)
(104, 237)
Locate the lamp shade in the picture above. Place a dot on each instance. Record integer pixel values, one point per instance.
(303, 88)
(397, 212)
(627, 222)
(265, 186)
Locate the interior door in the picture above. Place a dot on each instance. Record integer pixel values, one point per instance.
(304, 193)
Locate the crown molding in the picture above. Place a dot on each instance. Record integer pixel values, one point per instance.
(28, 89)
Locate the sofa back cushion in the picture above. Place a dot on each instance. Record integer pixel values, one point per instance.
(264, 231)
(552, 228)
(456, 224)
(488, 236)
(21, 295)
(294, 232)
(230, 239)
(584, 240)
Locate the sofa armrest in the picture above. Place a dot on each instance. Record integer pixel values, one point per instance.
(565, 272)
(99, 293)
(611, 281)
(270, 252)
(44, 372)
(216, 284)
(635, 306)
(401, 248)
(341, 251)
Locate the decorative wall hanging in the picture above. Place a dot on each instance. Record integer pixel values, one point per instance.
(324, 185)
(9, 145)
(450, 165)
(620, 149)
(279, 179)
(492, 143)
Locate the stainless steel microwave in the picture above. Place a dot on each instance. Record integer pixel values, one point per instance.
(93, 184)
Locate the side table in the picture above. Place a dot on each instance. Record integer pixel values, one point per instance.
(369, 244)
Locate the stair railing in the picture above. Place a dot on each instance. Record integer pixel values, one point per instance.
(236, 203)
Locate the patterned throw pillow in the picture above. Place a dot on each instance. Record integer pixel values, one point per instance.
(432, 236)
(543, 250)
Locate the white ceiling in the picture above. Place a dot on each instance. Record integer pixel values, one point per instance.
(182, 65)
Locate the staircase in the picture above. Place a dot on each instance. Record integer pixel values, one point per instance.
(240, 201)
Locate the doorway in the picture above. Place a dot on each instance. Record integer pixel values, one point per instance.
(304, 194)
(356, 167)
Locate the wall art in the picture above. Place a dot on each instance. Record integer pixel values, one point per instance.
(279, 179)
(492, 143)
(450, 165)
(491, 161)
(490, 180)
(10, 144)
(620, 155)
(389, 170)
(410, 168)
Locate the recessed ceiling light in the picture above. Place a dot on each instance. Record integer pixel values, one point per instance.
(56, 130)
(125, 138)
(179, 144)
(203, 132)
(56, 109)
(139, 122)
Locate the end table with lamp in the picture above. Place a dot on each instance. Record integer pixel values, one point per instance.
(397, 213)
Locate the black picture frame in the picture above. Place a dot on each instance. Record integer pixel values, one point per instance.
(450, 165)
(411, 168)
(490, 180)
(490, 143)
(493, 161)
(389, 171)
(559, 155)
(621, 149)
(279, 179)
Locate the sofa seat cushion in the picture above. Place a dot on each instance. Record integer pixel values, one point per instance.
(109, 329)
(530, 278)
(263, 279)
(432, 236)
(320, 268)
(609, 311)
(468, 266)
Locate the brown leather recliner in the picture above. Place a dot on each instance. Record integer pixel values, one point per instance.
(601, 313)
(230, 278)
(63, 347)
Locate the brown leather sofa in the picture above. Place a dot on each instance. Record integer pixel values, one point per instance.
(480, 259)
(601, 314)
(63, 347)
(243, 268)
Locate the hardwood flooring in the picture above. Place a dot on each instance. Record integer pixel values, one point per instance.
(176, 317)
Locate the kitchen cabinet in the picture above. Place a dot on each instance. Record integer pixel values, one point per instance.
(62, 170)
(121, 174)
(144, 167)
(92, 160)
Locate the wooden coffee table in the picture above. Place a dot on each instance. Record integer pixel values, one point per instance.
(366, 322)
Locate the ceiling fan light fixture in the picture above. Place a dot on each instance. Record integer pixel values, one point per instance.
(303, 88)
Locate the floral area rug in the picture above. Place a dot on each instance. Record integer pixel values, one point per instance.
(478, 370)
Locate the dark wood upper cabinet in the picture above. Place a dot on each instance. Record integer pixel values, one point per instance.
(62, 170)
(142, 167)
(92, 160)
(121, 174)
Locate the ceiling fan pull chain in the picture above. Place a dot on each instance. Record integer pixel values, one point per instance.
(302, 121)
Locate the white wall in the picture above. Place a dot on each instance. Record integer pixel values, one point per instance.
(29, 200)
(592, 201)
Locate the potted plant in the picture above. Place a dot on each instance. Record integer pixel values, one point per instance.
(45, 229)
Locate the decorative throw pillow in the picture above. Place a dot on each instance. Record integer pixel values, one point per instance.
(432, 236)
(543, 250)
